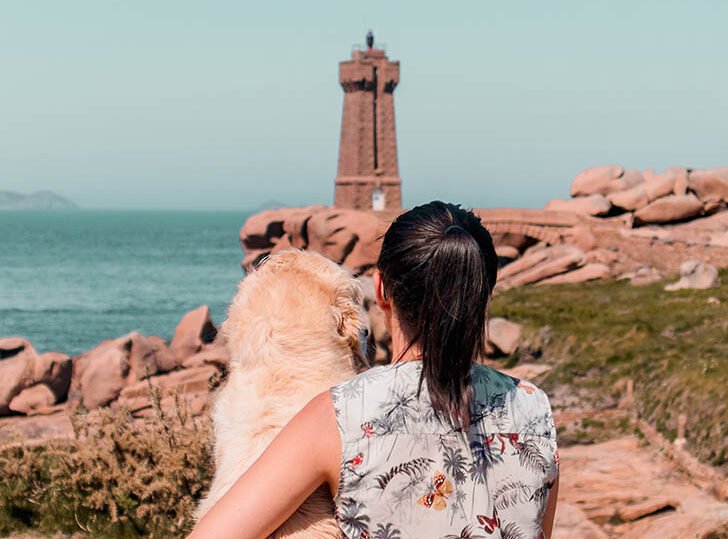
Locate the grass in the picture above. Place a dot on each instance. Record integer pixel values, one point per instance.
(674, 345)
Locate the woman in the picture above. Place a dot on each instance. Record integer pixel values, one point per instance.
(434, 445)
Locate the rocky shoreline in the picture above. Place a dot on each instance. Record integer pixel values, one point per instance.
(623, 224)
(619, 223)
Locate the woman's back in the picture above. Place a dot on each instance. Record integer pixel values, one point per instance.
(405, 474)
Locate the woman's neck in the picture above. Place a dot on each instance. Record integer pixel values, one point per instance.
(401, 351)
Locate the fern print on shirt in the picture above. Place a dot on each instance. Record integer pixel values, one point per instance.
(405, 474)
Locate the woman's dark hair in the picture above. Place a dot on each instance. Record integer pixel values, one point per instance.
(439, 267)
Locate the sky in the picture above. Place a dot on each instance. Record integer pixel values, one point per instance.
(233, 104)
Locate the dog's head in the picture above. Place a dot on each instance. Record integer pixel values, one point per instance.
(294, 308)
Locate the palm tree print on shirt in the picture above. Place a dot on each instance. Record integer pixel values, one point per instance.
(503, 465)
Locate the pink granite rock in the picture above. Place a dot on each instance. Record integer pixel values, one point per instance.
(211, 354)
(641, 276)
(669, 209)
(54, 369)
(542, 264)
(710, 185)
(148, 355)
(595, 180)
(273, 230)
(630, 199)
(504, 336)
(590, 205)
(660, 185)
(194, 330)
(681, 180)
(194, 379)
(629, 179)
(347, 237)
(507, 251)
(100, 374)
(590, 272)
(34, 398)
(16, 369)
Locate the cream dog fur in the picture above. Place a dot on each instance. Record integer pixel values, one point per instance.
(294, 329)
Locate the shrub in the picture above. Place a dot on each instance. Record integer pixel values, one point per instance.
(118, 477)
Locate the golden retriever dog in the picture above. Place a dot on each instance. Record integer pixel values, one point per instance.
(295, 328)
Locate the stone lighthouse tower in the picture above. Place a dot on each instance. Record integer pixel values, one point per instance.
(368, 175)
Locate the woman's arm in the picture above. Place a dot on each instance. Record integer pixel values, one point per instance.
(548, 518)
(305, 454)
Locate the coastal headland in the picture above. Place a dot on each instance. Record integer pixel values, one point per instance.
(639, 348)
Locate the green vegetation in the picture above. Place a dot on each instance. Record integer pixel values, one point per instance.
(674, 345)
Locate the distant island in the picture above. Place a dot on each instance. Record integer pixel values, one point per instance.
(40, 200)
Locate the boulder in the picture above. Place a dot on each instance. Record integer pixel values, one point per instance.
(100, 374)
(648, 507)
(681, 180)
(628, 180)
(17, 358)
(649, 174)
(710, 185)
(660, 185)
(270, 230)
(630, 199)
(148, 355)
(348, 237)
(193, 331)
(31, 399)
(668, 209)
(607, 257)
(504, 336)
(529, 259)
(589, 272)
(54, 370)
(595, 180)
(215, 353)
(548, 262)
(507, 251)
(518, 241)
(192, 380)
(642, 275)
(582, 236)
(589, 205)
(695, 274)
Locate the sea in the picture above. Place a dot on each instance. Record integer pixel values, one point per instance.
(72, 278)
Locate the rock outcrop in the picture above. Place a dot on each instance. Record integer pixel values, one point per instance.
(192, 333)
(115, 372)
(595, 204)
(21, 369)
(349, 237)
(619, 219)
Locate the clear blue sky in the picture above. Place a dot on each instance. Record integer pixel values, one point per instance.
(228, 104)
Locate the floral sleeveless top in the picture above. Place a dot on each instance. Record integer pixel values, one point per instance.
(407, 475)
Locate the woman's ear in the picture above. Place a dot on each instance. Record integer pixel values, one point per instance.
(382, 301)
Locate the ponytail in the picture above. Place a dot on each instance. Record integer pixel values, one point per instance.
(439, 268)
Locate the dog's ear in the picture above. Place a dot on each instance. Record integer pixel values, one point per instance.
(348, 305)
(351, 324)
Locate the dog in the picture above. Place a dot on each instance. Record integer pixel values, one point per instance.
(295, 328)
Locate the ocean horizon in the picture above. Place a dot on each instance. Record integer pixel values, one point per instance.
(70, 279)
